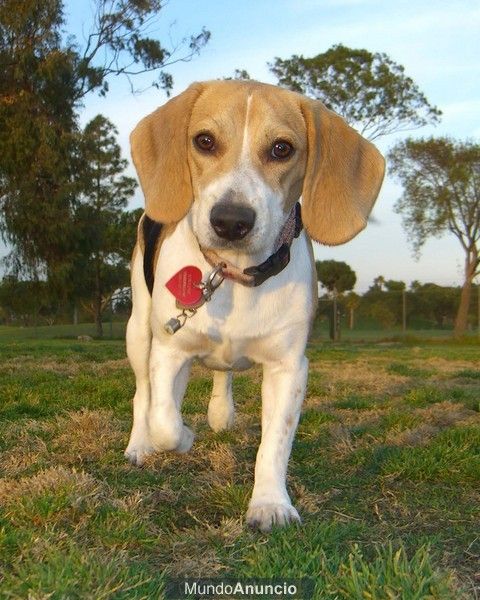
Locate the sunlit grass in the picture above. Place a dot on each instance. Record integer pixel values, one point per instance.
(384, 472)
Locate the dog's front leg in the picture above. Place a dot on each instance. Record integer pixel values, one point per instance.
(283, 390)
(169, 371)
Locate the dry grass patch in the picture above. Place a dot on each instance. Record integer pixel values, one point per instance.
(138, 502)
(87, 435)
(74, 438)
(222, 461)
(175, 463)
(418, 436)
(197, 552)
(308, 501)
(18, 460)
(445, 414)
(54, 480)
(342, 441)
(25, 447)
(445, 368)
(361, 376)
(355, 418)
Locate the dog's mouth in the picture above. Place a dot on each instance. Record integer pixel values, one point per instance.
(243, 246)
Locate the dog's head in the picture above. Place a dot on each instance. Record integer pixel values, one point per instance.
(238, 155)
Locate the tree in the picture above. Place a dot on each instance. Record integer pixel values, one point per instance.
(239, 75)
(100, 215)
(25, 300)
(335, 276)
(352, 302)
(126, 233)
(118, 44)
(370, 91)
(395, 286)
(378, 284)
(435, 302)
(44, 76)
(380, 312)
(37, 134)
(384, 300)
(441, 193)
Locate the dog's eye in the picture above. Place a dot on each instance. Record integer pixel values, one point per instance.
(205, 142)
(281, 150)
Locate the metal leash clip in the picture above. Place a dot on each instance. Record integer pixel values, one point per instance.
(213, 281)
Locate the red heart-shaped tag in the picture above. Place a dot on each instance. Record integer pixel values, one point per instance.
(184, 286)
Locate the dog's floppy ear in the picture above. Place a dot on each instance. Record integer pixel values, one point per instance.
(159, 151)
(343, 176)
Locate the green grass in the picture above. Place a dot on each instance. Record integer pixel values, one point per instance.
(384, 471)
(468, 373)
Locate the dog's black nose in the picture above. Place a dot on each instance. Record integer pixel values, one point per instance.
(232, 221)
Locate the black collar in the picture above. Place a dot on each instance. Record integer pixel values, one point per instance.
(274, 264)
(277, 261)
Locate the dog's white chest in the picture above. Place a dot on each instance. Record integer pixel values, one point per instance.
(233, 329)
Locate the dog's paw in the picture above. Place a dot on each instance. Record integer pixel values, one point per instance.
(186, 441)
(220, 417)
(172, 439)
(266, 516)
(137, 453)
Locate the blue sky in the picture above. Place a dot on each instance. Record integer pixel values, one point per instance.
(438, 43)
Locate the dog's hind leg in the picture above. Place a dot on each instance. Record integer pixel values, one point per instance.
(139, 338)
(220, 408)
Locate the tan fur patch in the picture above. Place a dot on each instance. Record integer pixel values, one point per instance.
(337, 172)
(273, 114)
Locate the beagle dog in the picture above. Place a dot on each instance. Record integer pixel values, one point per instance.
(222, 167)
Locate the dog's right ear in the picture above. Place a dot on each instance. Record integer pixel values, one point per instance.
(159, 151)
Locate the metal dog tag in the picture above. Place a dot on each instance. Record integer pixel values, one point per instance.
(172, 326)
(205, 289)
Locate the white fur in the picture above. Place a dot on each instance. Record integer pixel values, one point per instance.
(267, 325)
(267, 204)
(255, 193)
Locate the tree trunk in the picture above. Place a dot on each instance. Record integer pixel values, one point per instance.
(461, 320)
(335, 333)
(98, 301)
(352, 312)
(75, 314)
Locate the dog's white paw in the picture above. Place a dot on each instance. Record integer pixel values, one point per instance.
(265, 516)
(137, 453)
(186, 441)
(220, 417)
(177, 439)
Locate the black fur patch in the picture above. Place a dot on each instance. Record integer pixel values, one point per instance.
(151, 232)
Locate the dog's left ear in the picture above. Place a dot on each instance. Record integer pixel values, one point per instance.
(343, 176)
(159, 152)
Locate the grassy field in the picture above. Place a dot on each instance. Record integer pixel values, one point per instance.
(116, 330)
(385, 472)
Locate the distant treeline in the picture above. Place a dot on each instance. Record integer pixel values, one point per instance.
(423, 306)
